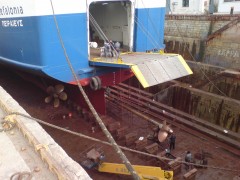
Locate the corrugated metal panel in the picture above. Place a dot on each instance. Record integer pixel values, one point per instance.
(150, 68)
(153, 69)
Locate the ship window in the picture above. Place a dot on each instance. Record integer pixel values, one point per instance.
(185, 3)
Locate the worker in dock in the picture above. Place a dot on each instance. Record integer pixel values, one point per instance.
(107, 49)
(117, 46)
(168, 152)
(93, 127)
(172, 140)
(188, 159)
(112, 48)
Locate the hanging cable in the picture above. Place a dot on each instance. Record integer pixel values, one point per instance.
(151, 21)
(145, 31)
(137, 21)
(110, 144)
(97, 27)
(163, 90)
(204, 74)
(101, 33)
(95, 114)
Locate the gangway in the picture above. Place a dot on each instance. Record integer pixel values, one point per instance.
(149, 68)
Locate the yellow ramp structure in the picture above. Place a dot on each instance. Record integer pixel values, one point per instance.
(149, 68)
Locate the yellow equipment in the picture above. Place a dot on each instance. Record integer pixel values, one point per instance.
(144, 172)
(94, 159)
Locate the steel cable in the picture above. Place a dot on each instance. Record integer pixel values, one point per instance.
(101, 33)
(95, 114)
(110, 144)
(145, 31)
(151, 21)
(204, 74)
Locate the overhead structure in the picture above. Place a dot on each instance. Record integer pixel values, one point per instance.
(149, 68)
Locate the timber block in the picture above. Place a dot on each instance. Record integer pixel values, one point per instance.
(112, 127)
(140, 144)
(162, 154)
(152, 149)
(130, 138)
(93, 154)
(175, 165)
(91, 118)
(190, 175)
(85, 115)
(121, 132)
(106, 120)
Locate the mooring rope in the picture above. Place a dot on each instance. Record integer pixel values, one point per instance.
(94, 112)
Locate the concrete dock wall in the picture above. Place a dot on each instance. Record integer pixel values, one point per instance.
(193, 31)
(51, 153)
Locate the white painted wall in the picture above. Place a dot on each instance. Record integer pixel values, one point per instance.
(112, 19)
(225, 7)
(195, 7)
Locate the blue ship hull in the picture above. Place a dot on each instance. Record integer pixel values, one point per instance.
(31, 43)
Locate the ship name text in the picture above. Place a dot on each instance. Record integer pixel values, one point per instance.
(8, 11)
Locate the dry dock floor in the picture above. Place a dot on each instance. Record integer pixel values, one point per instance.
(32, 100)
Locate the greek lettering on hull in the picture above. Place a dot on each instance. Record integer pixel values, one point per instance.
(12, 23)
